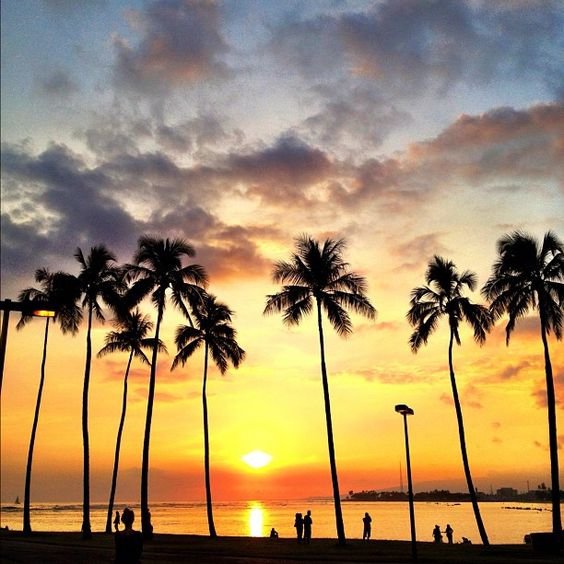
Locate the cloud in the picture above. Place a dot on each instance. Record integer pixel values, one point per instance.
(409, 47)
(281, 174)
(181, 43)
(351, 116)
(503, 142)
(58, 84)
(539, 391)
(417, 251)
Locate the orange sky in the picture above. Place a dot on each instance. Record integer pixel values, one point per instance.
(410, 128)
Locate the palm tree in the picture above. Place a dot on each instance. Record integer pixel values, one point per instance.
(213, 329)
(528, 276)
(131, 337)
(318, 276)
(443, 297)
(100, 279)
(158, 268)
(61, 291)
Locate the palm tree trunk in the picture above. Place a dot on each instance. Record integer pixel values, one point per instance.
(552, 435)
(461, 434)
(146, 525)
(336, 497)
(209, 506)
(118, 447)
(27, 491)
(86, 530)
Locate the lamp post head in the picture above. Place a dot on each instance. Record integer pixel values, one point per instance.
(404, 409)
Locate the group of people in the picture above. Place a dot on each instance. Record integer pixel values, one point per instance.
(303, 526)
(438, 534)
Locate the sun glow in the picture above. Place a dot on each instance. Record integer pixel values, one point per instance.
(257, 459)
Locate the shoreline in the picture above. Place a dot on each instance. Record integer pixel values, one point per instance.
(61, 548)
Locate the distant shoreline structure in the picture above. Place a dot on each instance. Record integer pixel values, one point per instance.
(541, 495)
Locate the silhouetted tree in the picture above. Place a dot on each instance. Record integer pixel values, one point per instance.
(99, 280)
(528, 276)
(318, 277)
(158, 268)
(130, 337)
(212, 329)
(59, 290)
(443, 297)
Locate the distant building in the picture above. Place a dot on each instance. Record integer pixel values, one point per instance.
(507, 493)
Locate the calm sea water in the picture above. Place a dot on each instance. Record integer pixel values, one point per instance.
(505, 522)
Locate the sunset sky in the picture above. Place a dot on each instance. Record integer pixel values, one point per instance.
(408, 127)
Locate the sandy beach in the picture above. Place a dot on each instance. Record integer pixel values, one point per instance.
(69, 547)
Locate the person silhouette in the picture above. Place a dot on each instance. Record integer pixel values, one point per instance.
(307, 526)
(448, 532)
(116, 521)
(273, 533)
(299, 525)
(437, 536)
(129, 543)
(367, 520)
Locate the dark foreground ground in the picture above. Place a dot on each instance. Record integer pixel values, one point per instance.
(64, 548)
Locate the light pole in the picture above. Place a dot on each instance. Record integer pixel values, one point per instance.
(37, 309)
(405, 411)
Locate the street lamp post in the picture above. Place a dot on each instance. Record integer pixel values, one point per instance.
(37, 309)
(405, 411)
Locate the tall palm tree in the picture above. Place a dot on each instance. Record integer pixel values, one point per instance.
(443, 297)
(317, 276)
(131, 337)
(100, 279)
(212, 329)
(61, 291)
(528, 276)
(158, 268)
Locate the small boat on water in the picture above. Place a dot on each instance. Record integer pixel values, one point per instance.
(17, 502)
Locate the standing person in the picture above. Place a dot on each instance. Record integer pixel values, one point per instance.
(437, 536)
(116, 521)
(448, 532)
(307, 526)
(129, 543)
(367, 520)
(299, 525)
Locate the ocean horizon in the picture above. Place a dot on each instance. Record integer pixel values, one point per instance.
(506, 522)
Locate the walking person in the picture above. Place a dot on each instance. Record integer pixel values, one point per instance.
(448, 532)
(307, 526)
(367, 520)
(116, 521)
(299, 525)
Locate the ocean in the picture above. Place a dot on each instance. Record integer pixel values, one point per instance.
(506, 522)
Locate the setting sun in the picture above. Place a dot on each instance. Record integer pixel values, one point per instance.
(257, 459)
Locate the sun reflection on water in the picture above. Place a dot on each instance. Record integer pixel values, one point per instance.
(256, 520)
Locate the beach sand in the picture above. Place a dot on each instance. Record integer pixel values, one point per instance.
(64, 548)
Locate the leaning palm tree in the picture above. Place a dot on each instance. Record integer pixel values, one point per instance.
(158, 268)
(131, 337)
(528, 276)
(317, 276)
(212, 329)
(61, 291)
(443, 297)
(100, 279)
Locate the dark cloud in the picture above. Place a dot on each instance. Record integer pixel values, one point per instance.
(181, 42)
(539, 391)
(409, 46)
(58, 84)
(283, 173)
(352, 116)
